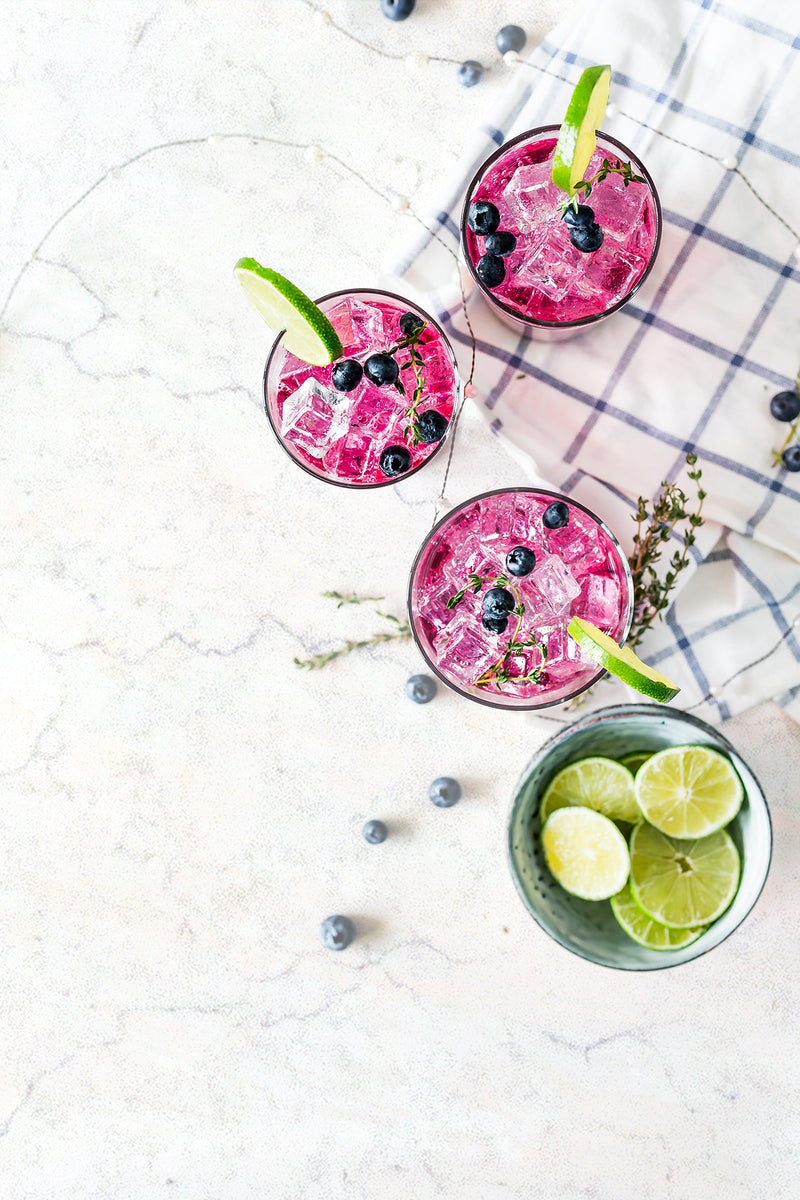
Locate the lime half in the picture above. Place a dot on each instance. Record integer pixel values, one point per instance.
(586, 853)
(683, 883)
(598, 783)
(308, 333)
(635, 760)
(688, 791)
(621, 661)
(645, 930)
(577, 140)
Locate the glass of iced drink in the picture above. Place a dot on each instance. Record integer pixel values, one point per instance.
(382, 409)
(533, 269)
(495, 585)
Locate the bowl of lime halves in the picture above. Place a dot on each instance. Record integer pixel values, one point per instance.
(639, 838)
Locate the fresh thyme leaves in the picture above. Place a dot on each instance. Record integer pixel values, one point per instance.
(415, 360)
(654, 525)
(401, 632)
(498, 672)
(475, 583)
(583, 188)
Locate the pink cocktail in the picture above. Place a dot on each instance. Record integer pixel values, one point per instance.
(343, 425)
(554, 560)
(550, 287)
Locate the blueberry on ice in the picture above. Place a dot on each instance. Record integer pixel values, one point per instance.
(469, 73)
(498, 602)
(520, 561)
(381, 369)
(785, 406)
(421, 688)
(395, 460)
(483, 217)
(431, 426)
(347, 375)
(337, 932)
(500, 243)
(510, 37)
(586, 238)
(410, 323)
(491, 270)
(556, 515)
(445, 792)
(375, 832)
(494, 624)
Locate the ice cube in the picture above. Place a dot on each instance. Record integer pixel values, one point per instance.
(368, 326)
(618, 209)
(601, 605)
(373, 411)
(464, 651)
(552, 265)
(578, 544)
(313, 417)
(610, 272)
(555, 582)
(563, 659)
(339, 316)
(352, 455)
(531, 197)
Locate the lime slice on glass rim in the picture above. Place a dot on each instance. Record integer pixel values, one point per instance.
(688, 791)
(585, 853)
(308, 334)
(577, 137)
(681, 882)
(598, 783)
(644, 930)
(621, 661)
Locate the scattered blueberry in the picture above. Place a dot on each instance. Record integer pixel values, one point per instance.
(510, 37)
(491, 270)
(520, 561)
(494, 624)
(470, 73)
(556, 515)
(791, 458)
(445, 792)
(586, 238)
(397, 10)
(375, 832)
(431, 426)
(395, 460)
(337, 932)
(410, 323)
(582, 216)
(347, 375)
(500, 243)
(785, 406)
(498, 602)
(421, 688)
(483, 217)
(381, 369)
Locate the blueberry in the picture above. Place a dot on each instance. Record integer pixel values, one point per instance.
(583, 216)
(556, 515)
(431, 426)
(445, 792)
(469, 73)
(375, 832)
(421, 688)
(381, 369)
(395, 460)
(410, 323)
(785, 406)
(397, 10)
(586, 238)
(791, 458)
(498, 602)
(347, 375)
(483, 217)
(510, 37)
(494, 624)
(520, 561)
(337, 932)
(500, 243)
(491, 270)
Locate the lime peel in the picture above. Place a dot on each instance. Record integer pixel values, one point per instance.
(308, 334)
(646, 931)
(577, 137)
(621, 661)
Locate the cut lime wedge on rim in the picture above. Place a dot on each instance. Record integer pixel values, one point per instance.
(644, 930)
(577, 138)
(308, 334)
(621, 661)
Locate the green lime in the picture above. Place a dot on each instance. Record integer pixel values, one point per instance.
(585, 852)
(598, 783)
(688, 791)
(308, 333)
(636, 760)
(577, 137)
(644, 930)
(683, 883)
(621, 661)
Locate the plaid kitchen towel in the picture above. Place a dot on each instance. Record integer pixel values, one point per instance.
(701, 91)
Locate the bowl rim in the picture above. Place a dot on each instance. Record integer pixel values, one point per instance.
(600, 717)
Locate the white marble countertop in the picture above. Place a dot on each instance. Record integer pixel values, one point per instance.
(181, 806)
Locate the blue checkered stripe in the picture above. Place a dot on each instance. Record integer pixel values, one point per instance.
(690, 363)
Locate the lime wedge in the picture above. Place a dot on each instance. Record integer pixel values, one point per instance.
(598, 783)
(683, 883)
(644, 929)
(308, 333)
(586, 853)
(621, 661)
(636, 760)
(577, 140)
(689, 791)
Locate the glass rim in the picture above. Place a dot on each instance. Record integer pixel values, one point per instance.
(597, 675)
(343, 483)
(538, 322)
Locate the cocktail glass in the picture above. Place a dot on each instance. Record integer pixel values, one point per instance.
(580, 570)
(340, 436)
(551, 289)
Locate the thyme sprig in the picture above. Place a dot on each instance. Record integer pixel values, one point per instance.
(411, 343)
(583, 188)
(400, 632)
(474, 584)
(498, 672)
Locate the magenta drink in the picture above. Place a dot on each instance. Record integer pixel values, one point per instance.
(378, 413)
(495, 585)
(549, 286)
